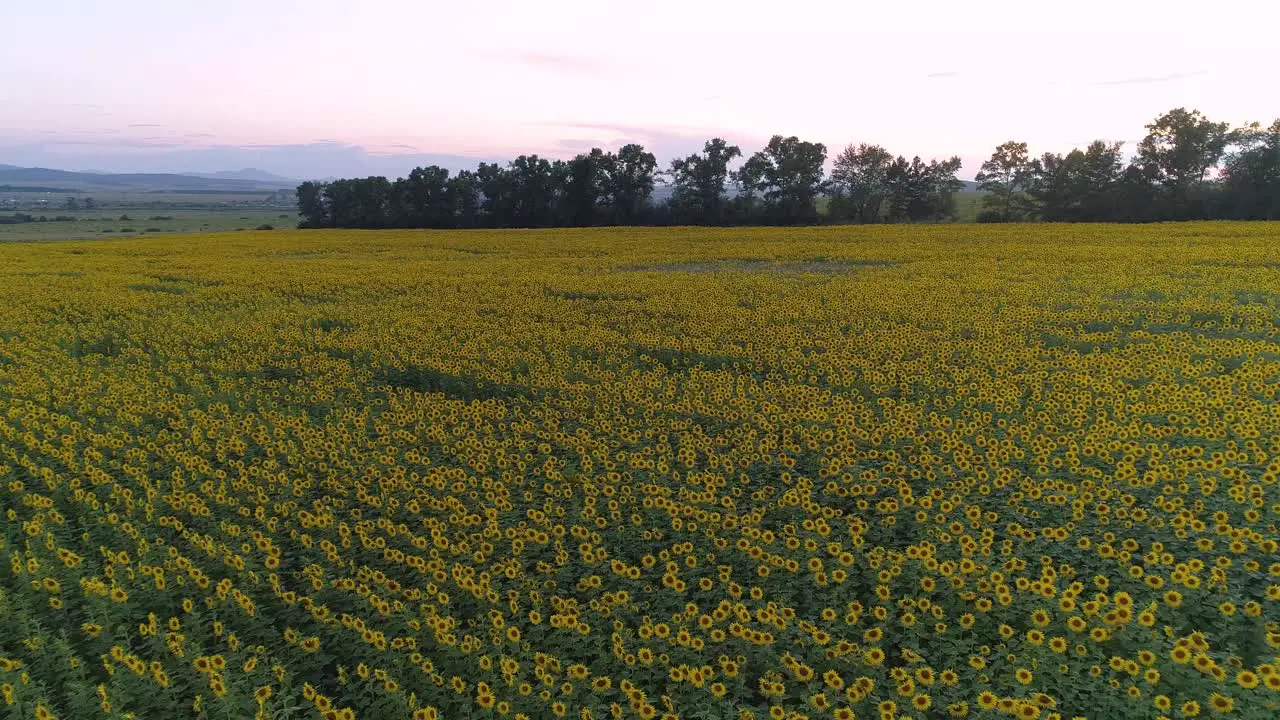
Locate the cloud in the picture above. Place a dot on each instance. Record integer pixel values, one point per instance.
(1172, 77)
(944, 74)
(652, 131)
(558, 63)
(95, 140)
(576, 145)
(144, 125)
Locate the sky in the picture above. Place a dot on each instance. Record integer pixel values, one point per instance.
(320, 88)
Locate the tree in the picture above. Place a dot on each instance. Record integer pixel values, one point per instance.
(788, 174)
(1182, 146)
(1251, 175)
(1170, 177)
(859, 185)
(585, 190)
(922, 192)
(313, 205)
(533, 187)
(1137, 195)
(497, 208)
(698, 181)
(630, 185)
(1080, 186)
(422, 199)
(463, 193)
(1007, 176)
(71, 203)
(359, 203)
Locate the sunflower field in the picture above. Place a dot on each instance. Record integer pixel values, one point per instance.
(883, 472)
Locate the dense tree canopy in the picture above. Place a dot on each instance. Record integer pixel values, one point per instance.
(1186, 167)
(1081, 185)
(1251, 177)
(699, 184)
(859, 184)
(788, 174)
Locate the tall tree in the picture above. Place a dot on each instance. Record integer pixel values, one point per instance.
(421, 199)
(1007, 176)
(1251, 175)
(464, 198)
(1079, 186)
(922, 192)
(496, 188)
(630, 185)
(359, 203)
(313, 205)
(534, 187)
(788, 174)
(859, 185)
(1182, 146)
(584, 194)
(699, 182)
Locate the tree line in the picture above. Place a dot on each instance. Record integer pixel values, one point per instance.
(783, 183)
(1187, 167)
(24, 218)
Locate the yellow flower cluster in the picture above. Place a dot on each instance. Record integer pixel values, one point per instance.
(880, 472)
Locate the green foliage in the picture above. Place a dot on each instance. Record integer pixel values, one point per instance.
(1170, 178)
(424, 379)
(788, 174)
(1007, 176)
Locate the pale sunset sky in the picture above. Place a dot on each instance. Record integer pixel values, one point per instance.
(325, 87)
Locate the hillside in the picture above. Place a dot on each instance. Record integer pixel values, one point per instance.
(236, 181)
(249, 174)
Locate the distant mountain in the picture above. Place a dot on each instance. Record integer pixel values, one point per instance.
(147, 182)
(304, 161)
(253, 174)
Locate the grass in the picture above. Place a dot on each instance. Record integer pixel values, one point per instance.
(968, 205)
(144, 221)
(162, 215)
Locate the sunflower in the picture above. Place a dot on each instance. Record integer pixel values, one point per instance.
(1220, 703)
